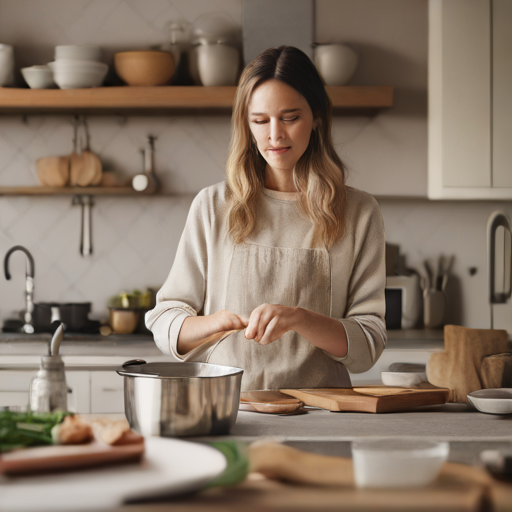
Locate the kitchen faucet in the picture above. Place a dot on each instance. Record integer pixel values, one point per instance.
(29, 285)
(497, 219)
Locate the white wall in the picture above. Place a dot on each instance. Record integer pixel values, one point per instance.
(135, 239)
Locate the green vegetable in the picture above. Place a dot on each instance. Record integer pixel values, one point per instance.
(22, 429)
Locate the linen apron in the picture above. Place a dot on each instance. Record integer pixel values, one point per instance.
(289, 277)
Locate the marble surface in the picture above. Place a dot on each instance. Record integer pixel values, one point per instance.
(468, 431)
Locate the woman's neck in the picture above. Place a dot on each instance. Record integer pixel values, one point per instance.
(279, 180)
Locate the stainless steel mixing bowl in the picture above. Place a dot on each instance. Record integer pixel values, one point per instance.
(180, 399)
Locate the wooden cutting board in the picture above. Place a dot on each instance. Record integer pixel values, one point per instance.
(269, 401)
(375, 399)
(52, 458)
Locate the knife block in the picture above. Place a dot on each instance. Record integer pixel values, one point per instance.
(465, 365)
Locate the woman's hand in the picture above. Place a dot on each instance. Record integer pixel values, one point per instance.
(224, 321)
(197, 330)
(269, 322)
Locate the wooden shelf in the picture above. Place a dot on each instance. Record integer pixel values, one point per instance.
(71, 191)
(168, 100)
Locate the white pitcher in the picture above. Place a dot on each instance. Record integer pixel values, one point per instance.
(6, 65)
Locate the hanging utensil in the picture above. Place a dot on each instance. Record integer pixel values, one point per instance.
(86, 203)
(76, 161)
(92, 170)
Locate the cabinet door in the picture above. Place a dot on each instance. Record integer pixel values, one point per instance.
(459, 97)
(79, 391)
(107, 392)
(502, 93)
(15, 384)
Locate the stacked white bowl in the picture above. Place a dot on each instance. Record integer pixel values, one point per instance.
(76, 67)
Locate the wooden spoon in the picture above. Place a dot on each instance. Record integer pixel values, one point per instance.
(92, 171)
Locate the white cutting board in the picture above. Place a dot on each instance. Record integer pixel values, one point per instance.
(169, 466)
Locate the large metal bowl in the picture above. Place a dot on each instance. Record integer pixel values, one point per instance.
(180, 399)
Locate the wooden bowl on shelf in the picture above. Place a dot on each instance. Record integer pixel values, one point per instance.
(144, 68)
(53, 171)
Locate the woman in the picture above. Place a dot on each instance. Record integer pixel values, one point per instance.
(280, 269)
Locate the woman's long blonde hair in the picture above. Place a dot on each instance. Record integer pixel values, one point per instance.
(319, 175)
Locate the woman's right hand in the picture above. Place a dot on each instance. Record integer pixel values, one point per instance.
(223, 321)
(197, 330)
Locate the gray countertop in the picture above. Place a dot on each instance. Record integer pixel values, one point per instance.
(143, 344)
(467, 430)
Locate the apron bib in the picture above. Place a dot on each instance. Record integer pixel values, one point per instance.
(290, 277)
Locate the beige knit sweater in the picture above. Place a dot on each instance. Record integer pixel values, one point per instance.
(278, 264)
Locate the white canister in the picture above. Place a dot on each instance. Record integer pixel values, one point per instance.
(6, 65)
(218, 64)
(336, 63)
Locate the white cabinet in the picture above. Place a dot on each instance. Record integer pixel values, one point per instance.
(470, 105)
(15, 384)
(107, 392)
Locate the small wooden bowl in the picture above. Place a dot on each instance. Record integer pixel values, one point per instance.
(124, 320)
(144, 68)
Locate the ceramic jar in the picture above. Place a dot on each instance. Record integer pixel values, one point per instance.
(336, 63)
(218, 64)
(6, 65)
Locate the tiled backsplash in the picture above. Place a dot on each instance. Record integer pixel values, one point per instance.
(135, 239)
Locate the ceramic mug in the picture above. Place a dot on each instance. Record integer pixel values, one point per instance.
(6, 65)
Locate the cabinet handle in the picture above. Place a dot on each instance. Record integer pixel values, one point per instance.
(111, 390)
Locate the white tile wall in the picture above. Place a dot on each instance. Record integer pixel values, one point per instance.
(135, 239)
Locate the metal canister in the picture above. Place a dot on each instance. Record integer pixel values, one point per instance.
(48, 389)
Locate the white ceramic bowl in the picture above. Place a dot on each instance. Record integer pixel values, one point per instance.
(38, 77)
(218, 64)
(78, 52)
(397, 462)
(78, 74)
(403, 379)
(336, 63)
(492, 401)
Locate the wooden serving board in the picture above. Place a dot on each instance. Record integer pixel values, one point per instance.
(269, 401)
(375, 399)
(52, 458)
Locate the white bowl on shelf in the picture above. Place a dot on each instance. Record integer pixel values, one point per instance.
(336, 63)
(38, 77)
(74, 74)
(78, 52)
(397, 462)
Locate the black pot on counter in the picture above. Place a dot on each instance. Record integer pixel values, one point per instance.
(74, 315)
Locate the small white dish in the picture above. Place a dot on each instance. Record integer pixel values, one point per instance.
(38, 77)
(492, 401)
(403, 379)
(397, 462)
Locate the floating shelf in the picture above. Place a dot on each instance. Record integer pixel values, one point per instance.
(165, 100)
(72, 191)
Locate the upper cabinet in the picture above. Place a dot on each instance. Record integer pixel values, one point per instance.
(470, 101)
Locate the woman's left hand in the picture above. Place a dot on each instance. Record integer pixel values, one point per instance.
(269, 322)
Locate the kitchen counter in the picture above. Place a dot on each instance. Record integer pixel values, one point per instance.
(143, 344)
(468, 432)
(330, 433)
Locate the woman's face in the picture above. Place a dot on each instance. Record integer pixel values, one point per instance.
(281, 121)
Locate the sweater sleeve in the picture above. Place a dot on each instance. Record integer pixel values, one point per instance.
(183, 293)
(366, 306)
